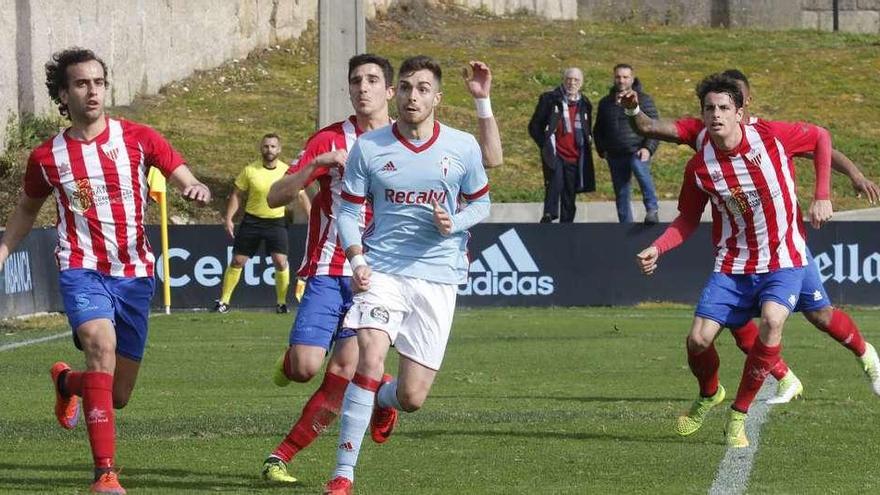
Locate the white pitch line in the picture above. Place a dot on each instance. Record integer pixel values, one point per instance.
(733, 473)
(15, 345)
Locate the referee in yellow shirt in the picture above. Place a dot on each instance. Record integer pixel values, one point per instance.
(260, 224)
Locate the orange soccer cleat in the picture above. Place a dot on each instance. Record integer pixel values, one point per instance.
(108, 483)
(383, 420)
(339, 485)
(66, 408)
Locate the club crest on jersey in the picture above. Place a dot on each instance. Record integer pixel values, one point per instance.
(82, 196)
(738, 202)
(389, 167)
(754, 157)
(110, 151)
(444, 165)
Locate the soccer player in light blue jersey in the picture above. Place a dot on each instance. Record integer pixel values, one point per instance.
(409, 261)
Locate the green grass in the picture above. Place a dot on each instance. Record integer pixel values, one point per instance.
(557, 401)
(216, 117)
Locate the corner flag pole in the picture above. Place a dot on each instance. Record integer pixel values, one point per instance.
(158, 192)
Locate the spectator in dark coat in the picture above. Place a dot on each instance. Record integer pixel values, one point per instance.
(560, 127)
(627, 153)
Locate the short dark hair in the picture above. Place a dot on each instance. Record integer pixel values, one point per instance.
(56, 72)
(270, 135)
(369, 58)
(737, 75)
(719, 83)
(622, 66)
(420, 62)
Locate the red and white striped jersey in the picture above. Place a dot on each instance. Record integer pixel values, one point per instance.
(100, 190)
(324, 254)
(757, 223)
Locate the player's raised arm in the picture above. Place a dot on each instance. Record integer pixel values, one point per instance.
(642, 123)
(861, 185)
(478, 80)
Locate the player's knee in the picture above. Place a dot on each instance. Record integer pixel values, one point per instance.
(303, 372)
(821, 318)
(697, 343)
(773, 322)
(411, 400)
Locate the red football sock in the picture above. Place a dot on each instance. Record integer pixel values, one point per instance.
(844, 330)
(97, 389)
(318, 413)
(705, 366)
(758, 365)
(745, 337)
(73, 383)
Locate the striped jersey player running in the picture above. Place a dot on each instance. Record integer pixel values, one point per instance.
(813, 301)
(760, 246)
(409, 262)
(96, 170)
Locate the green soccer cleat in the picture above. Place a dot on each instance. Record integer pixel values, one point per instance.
(735, 432)
(871, 366)
(274, 470)
(278, 376)
(788, 389)
(689, 423)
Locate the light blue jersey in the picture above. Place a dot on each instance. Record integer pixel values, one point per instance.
(400, 179)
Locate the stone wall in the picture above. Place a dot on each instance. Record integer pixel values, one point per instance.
(149, 43)
(854, 16)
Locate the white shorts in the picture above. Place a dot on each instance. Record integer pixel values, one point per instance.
(416, 314)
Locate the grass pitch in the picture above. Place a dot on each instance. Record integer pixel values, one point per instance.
(529, 401)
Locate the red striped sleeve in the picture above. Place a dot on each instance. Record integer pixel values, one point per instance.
(475, 195)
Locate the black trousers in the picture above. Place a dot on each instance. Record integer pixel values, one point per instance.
(560, 180)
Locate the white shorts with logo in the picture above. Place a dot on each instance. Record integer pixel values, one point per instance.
(416, 314)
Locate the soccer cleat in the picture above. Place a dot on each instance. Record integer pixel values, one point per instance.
(221, 307)
(871, 365)
(339, 485)
(735, 432)
(689, 423)
(383, 420)
(279, 378)
(66, 408)
(789, 388)
(281, 309)
(108, 483)
(275, 470)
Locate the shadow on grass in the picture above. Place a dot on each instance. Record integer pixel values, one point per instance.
(558, 435)
(13, 477)
(564, 399)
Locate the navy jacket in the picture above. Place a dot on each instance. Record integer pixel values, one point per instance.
(613, 133)
(542, 126)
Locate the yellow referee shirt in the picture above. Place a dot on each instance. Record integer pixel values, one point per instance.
(256, 180)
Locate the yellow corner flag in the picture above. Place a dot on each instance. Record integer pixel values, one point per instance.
(156, 181)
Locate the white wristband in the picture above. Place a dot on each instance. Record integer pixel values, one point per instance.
(632, 112)
(357, 260)
(484, 108)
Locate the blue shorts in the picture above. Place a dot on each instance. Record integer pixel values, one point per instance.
(90, 295)
(732, 300)
(813, 296)
(319, 317)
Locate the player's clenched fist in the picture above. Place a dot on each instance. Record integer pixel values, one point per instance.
(441, 218)
(647, 260)
(331, 158)
(360, 279)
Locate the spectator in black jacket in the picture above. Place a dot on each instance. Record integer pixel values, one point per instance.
(560, 127)
(627, 152)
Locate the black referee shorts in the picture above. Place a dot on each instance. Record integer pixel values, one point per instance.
(254, 230)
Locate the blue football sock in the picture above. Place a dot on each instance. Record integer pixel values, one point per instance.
(357, 408)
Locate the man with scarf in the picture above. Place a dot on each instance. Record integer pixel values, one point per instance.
(627, 153)
(560, 127)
